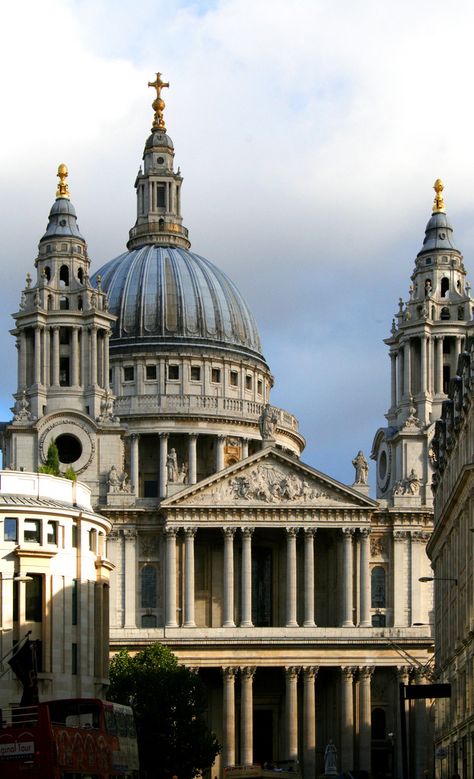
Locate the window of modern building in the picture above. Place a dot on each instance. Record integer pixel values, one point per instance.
(150, 372)
(74, 601)
(173, 372)
(378, 587)
(234, 378)
(216, 375)
(128, 373)
(52, 532)
(34, 598)
(148, 577)
(10, 529)
(195, 373)
(148, 621)
(32, 531)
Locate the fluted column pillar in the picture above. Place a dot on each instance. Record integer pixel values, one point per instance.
(245, 448)
(22, 369)
(347, 718)
(403, 677)
(93, 355)
(130, 577)
(107, 334)
(347, 578)
(163, 460)
(74, 356)
(246, 578)
(220, 452)
(246, 715)
(55, 356)
(135, 462)
(37, 360)
(291, 581)
(189, 619)
(364, 620)
(228, 752)
(170, 535)
(423, 366)
(400, 591)
(229, 533)
(309, 535)
(365, 718)
(439, 364)
(407, 368)
(291, 687)
(393, 370)
(309, 721)
(400, 374)
(192, 458)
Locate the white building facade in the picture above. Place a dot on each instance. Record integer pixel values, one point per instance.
(295, 597)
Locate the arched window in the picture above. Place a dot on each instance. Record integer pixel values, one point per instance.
(47, 272)
(63, 303)
(64, 276)
(80, 275)
(50, 302)
(379, 725)
(445, 313)
(444, 286)
(148, 575)
(79, 303)
(460, 313)
(378, 587)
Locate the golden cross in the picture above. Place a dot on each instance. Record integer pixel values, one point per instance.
(158, 104)
(438, 205)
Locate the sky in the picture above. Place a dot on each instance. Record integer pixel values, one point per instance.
(309, 134)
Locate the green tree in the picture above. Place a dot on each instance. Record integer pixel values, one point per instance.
(51, 465)
(70, 473)
(169, 703)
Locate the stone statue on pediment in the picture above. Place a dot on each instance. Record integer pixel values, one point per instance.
(267, 422)
(361, 468)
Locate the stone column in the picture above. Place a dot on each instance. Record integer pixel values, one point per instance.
(192, 458)
(418, 543)
(399, 584)
(135, 462)
(364, 617)
(107, 334)
(130, 577)
(189, 621)
(400, 373)
(220, 452)
(228, 706)
(246, 578)
(291, 687)
(245, 448)
(421, 730)
(170, 535)
(228, 621)
(309, 535)
(22, 370)
(393, 372)
(55, 356)
(37, 362)
(93, 355)
(309, 721)
(365, 718)
(347, 578)
(439, 364)
(407, 367)
(246, 715)
(347, 718)
(75, 356)
(403, 672)
(291, 621)
(423, 365)
(163, 459)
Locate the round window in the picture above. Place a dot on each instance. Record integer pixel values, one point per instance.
(69, 448)
(160, 160)
(383, 465)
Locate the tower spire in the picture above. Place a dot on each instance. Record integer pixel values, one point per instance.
(158, 104)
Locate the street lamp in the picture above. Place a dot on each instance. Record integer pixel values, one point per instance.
(438, 579)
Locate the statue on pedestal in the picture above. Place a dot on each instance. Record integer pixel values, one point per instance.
(330, 760)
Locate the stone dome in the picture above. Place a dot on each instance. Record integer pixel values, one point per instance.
(62, 220)
(438, 234)
(166, 296)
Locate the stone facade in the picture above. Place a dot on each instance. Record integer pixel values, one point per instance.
(50, 533)
(295, 597)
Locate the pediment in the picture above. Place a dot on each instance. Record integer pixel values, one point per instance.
(270, 479)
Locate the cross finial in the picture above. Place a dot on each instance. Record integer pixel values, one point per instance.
(438, 205)
(158, 104)
(63, 189)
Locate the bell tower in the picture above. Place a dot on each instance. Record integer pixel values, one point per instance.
(428, 333)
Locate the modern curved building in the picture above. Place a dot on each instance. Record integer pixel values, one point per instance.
(296, 598)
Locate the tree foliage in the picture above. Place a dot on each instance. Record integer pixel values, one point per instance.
(169, 704)
(70, 473)
(51, 465)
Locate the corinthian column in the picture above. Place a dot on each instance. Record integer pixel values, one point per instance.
(246, 715)
(309, 723)
(228, 754)
(347, 578)
(365, 717)
(130, 535)
(163, 459)
(228, 621)
(347, 718)
(93, 355)
(291, 685)
(291, 533)
(220, 452)
(364, 620)
(75, 356)
(37, 363)
(192, 458)
(309, 534)
(246, 578)
(134, 462)
(189, 621)
(170, 535)
(55, 330)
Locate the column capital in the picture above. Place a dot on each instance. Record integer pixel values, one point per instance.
(221, 438)
(54, 328)
(193, 436)
(247, 532)
(292, 532)
(347, 532)
(130, 533)
(134, 436)
(247, 671)
(92, 328)
(39, 327)
(164, 436)
(348, 671)
(365, 532)
(403, 672)
(420, 536)
(229, 671)
(229, 532)
(170, 532)
(310, 531)
(400, 535)
(310, 671)
(292, 671)
(190, 532)
(366, 671)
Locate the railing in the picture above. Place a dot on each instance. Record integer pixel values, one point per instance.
(201, 405)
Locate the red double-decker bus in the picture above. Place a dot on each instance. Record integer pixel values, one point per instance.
(77, 738)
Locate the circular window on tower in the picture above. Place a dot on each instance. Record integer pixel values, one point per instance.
(160, 160)
(69, 448)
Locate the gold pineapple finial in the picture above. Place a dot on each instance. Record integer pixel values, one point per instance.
(438, 205)
(158, 104)
(63, 189)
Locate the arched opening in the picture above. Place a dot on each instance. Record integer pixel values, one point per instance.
(80, 275)
(445, 313)
(47, 273)
(64, 276)
(378, 587)
(460, 313)
(50, 302)
(444, 286)
(79, 303)
(63, 303)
